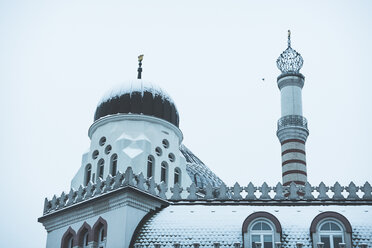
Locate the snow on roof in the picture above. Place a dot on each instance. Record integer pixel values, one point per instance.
(207, 224)
(137, 85)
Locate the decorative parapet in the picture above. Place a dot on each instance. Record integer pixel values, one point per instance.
(251, 194)
(292, 120)
(279, 193)
(103, 187)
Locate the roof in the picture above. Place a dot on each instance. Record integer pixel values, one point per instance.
(199, 173)
(209, 224)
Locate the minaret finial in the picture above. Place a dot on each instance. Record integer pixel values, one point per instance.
(289, 60)
(140, 58)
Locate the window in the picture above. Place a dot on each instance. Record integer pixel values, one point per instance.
(165, 143)
(171, 157)
(150, 166)
(100, 168)
(177, 176)
(68, 239)
(331, 234)
(114, 165)
(108, 149)
(263, 228)
(88, 173)
(101, 235)
(83, 236)
(100, 232)
(102, 141)
(262, 232)
(70, 242)
(164, 172)
(331, 228)
(86, 240)
(95, 154)
(158, 151)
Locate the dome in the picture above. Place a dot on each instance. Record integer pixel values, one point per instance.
(138, 97)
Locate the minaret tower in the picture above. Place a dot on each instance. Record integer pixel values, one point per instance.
(292, 126)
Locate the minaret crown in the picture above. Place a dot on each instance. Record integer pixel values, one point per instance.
(290, 60)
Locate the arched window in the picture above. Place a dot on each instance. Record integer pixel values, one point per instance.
(84, 235)
(150, 166)
(100, 232)
(331, 234)
(331, 228)
(68, 238)
(100, 168)
(262, 232)
(263, 228)
(114, 165)
(177, 176)
(164, 172)
(88, 174)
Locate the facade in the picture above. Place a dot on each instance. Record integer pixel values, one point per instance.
(139, 186)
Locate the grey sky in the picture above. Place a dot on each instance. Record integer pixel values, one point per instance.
(57, 58)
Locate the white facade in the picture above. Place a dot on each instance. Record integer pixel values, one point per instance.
(133, 138)
(122, 210)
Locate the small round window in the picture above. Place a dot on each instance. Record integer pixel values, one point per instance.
(95, 154)
(165, 143)
(158, 151)
(171, 157)
(108, 149)
(102, 141)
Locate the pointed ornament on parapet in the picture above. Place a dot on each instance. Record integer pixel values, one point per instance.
(236, 191)
(250, 189)
(192, 192)
(176, 190)
(367, 190)
(279, 190)
(141, 180)
(209, 191)
(308, 189)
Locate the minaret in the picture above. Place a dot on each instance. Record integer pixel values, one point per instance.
(292, 126)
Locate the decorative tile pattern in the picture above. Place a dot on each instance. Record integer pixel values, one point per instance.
(206, 225)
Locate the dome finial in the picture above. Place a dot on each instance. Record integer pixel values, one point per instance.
(140, 58)
(289, 60)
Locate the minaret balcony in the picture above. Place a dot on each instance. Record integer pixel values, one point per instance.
(292, 121)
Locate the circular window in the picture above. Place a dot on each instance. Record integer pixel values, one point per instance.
(108, 149)
(165, 143)
(102, 141)
(171, 157)
(158, 151)
(95, 154)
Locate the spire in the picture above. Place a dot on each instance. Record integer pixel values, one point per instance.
(289, 60)
(140, 58)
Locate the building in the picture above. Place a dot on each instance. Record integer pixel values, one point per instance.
(139, 186)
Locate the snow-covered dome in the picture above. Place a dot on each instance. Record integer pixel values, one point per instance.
(138, 97)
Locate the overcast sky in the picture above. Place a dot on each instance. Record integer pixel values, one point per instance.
(57, 58)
